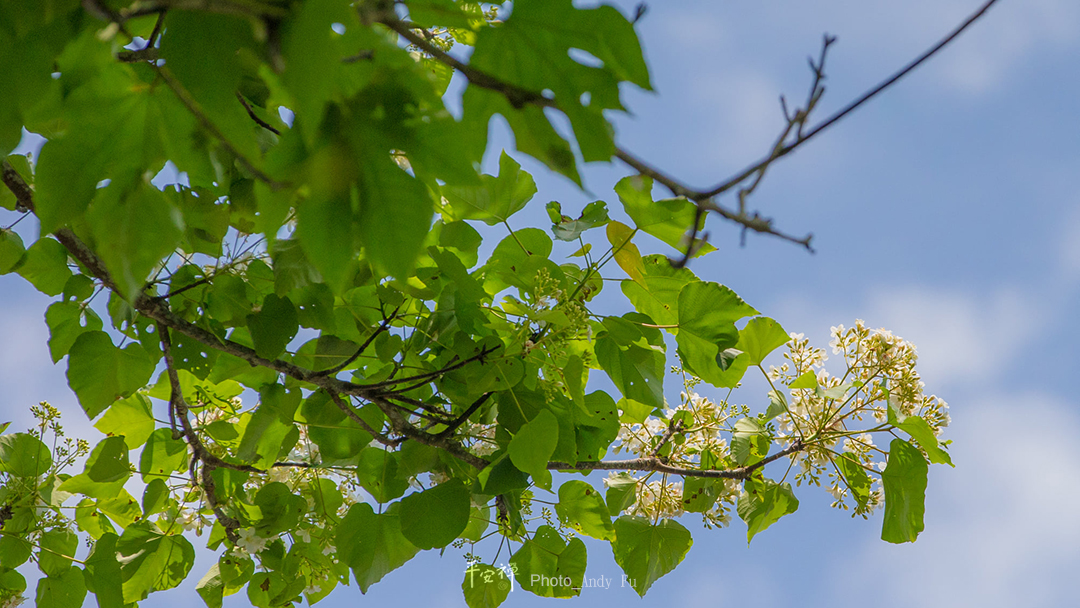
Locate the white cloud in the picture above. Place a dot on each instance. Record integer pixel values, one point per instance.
(961, 336)
(1069, 252)
(1001, 527)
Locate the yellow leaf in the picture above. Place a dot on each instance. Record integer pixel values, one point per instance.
(626, 253)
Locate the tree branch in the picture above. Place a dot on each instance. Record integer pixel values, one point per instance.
(375, 334)
(24, 195)
(453, 426)
(703, 198)
(658, 465)
(516, 95)
(262, 123)
(193, 106)
(862, 99)
(240, 8)
(179, 410)
(427, 376)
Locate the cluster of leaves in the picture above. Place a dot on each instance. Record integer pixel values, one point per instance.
(332, 264)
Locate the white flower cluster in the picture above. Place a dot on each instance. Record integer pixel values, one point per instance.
(880, 372)
(250, 543)
(481, 439)
(658, 499)
(698, 431)
(687, 433)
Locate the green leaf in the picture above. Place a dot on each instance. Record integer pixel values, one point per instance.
(638, 372)
(495, 199)
(532, 50)
(281, 508)
(273, 326)
(11, 581)
(107, 469)
(130, 418)
(151, 561)
(211, 588)
(204, 52)
(485, 586)
(45, 266)
(855, 476)
(378, 474)
(205, 221)
(621, 492)
(533, 445)
(669, 220)
(100, 373)
(163, 456)
(372, 545)
(340, 439)
(566, 229)
(156, 497)
(65, 590)
(310, 56)
(700, 494)
(325, 227)
(57, 548)
(658, 295)
(65, 326)
(134, 231)
(806, 380)
(763, 503)
(646, 552)
(395, 213)
(92, 521)
(904, 479)
(23, 455)
(14, 551)
(501, 476)
(102, 572)
(760, 337)
(269, 426)
(109, 461)
(545, 564)
(516, 260)
(227, 299)
(707, 315)
(921, 432)
(435, 517)
(582, 508)
(12, 251)
(749, 434)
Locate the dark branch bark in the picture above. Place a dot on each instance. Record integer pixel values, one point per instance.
(453, 426)
(375, 334)
(199, 453)
(251, 113)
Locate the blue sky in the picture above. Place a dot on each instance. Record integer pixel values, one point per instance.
(946, 210)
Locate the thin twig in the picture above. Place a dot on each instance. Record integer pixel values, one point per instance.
(387, 320)
(453, 426)
(862, 99)
(262, 123)
(193, 106)
(659, 466)
(431, 375)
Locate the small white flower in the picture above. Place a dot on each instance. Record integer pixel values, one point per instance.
(250, 542)
(328, 549)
